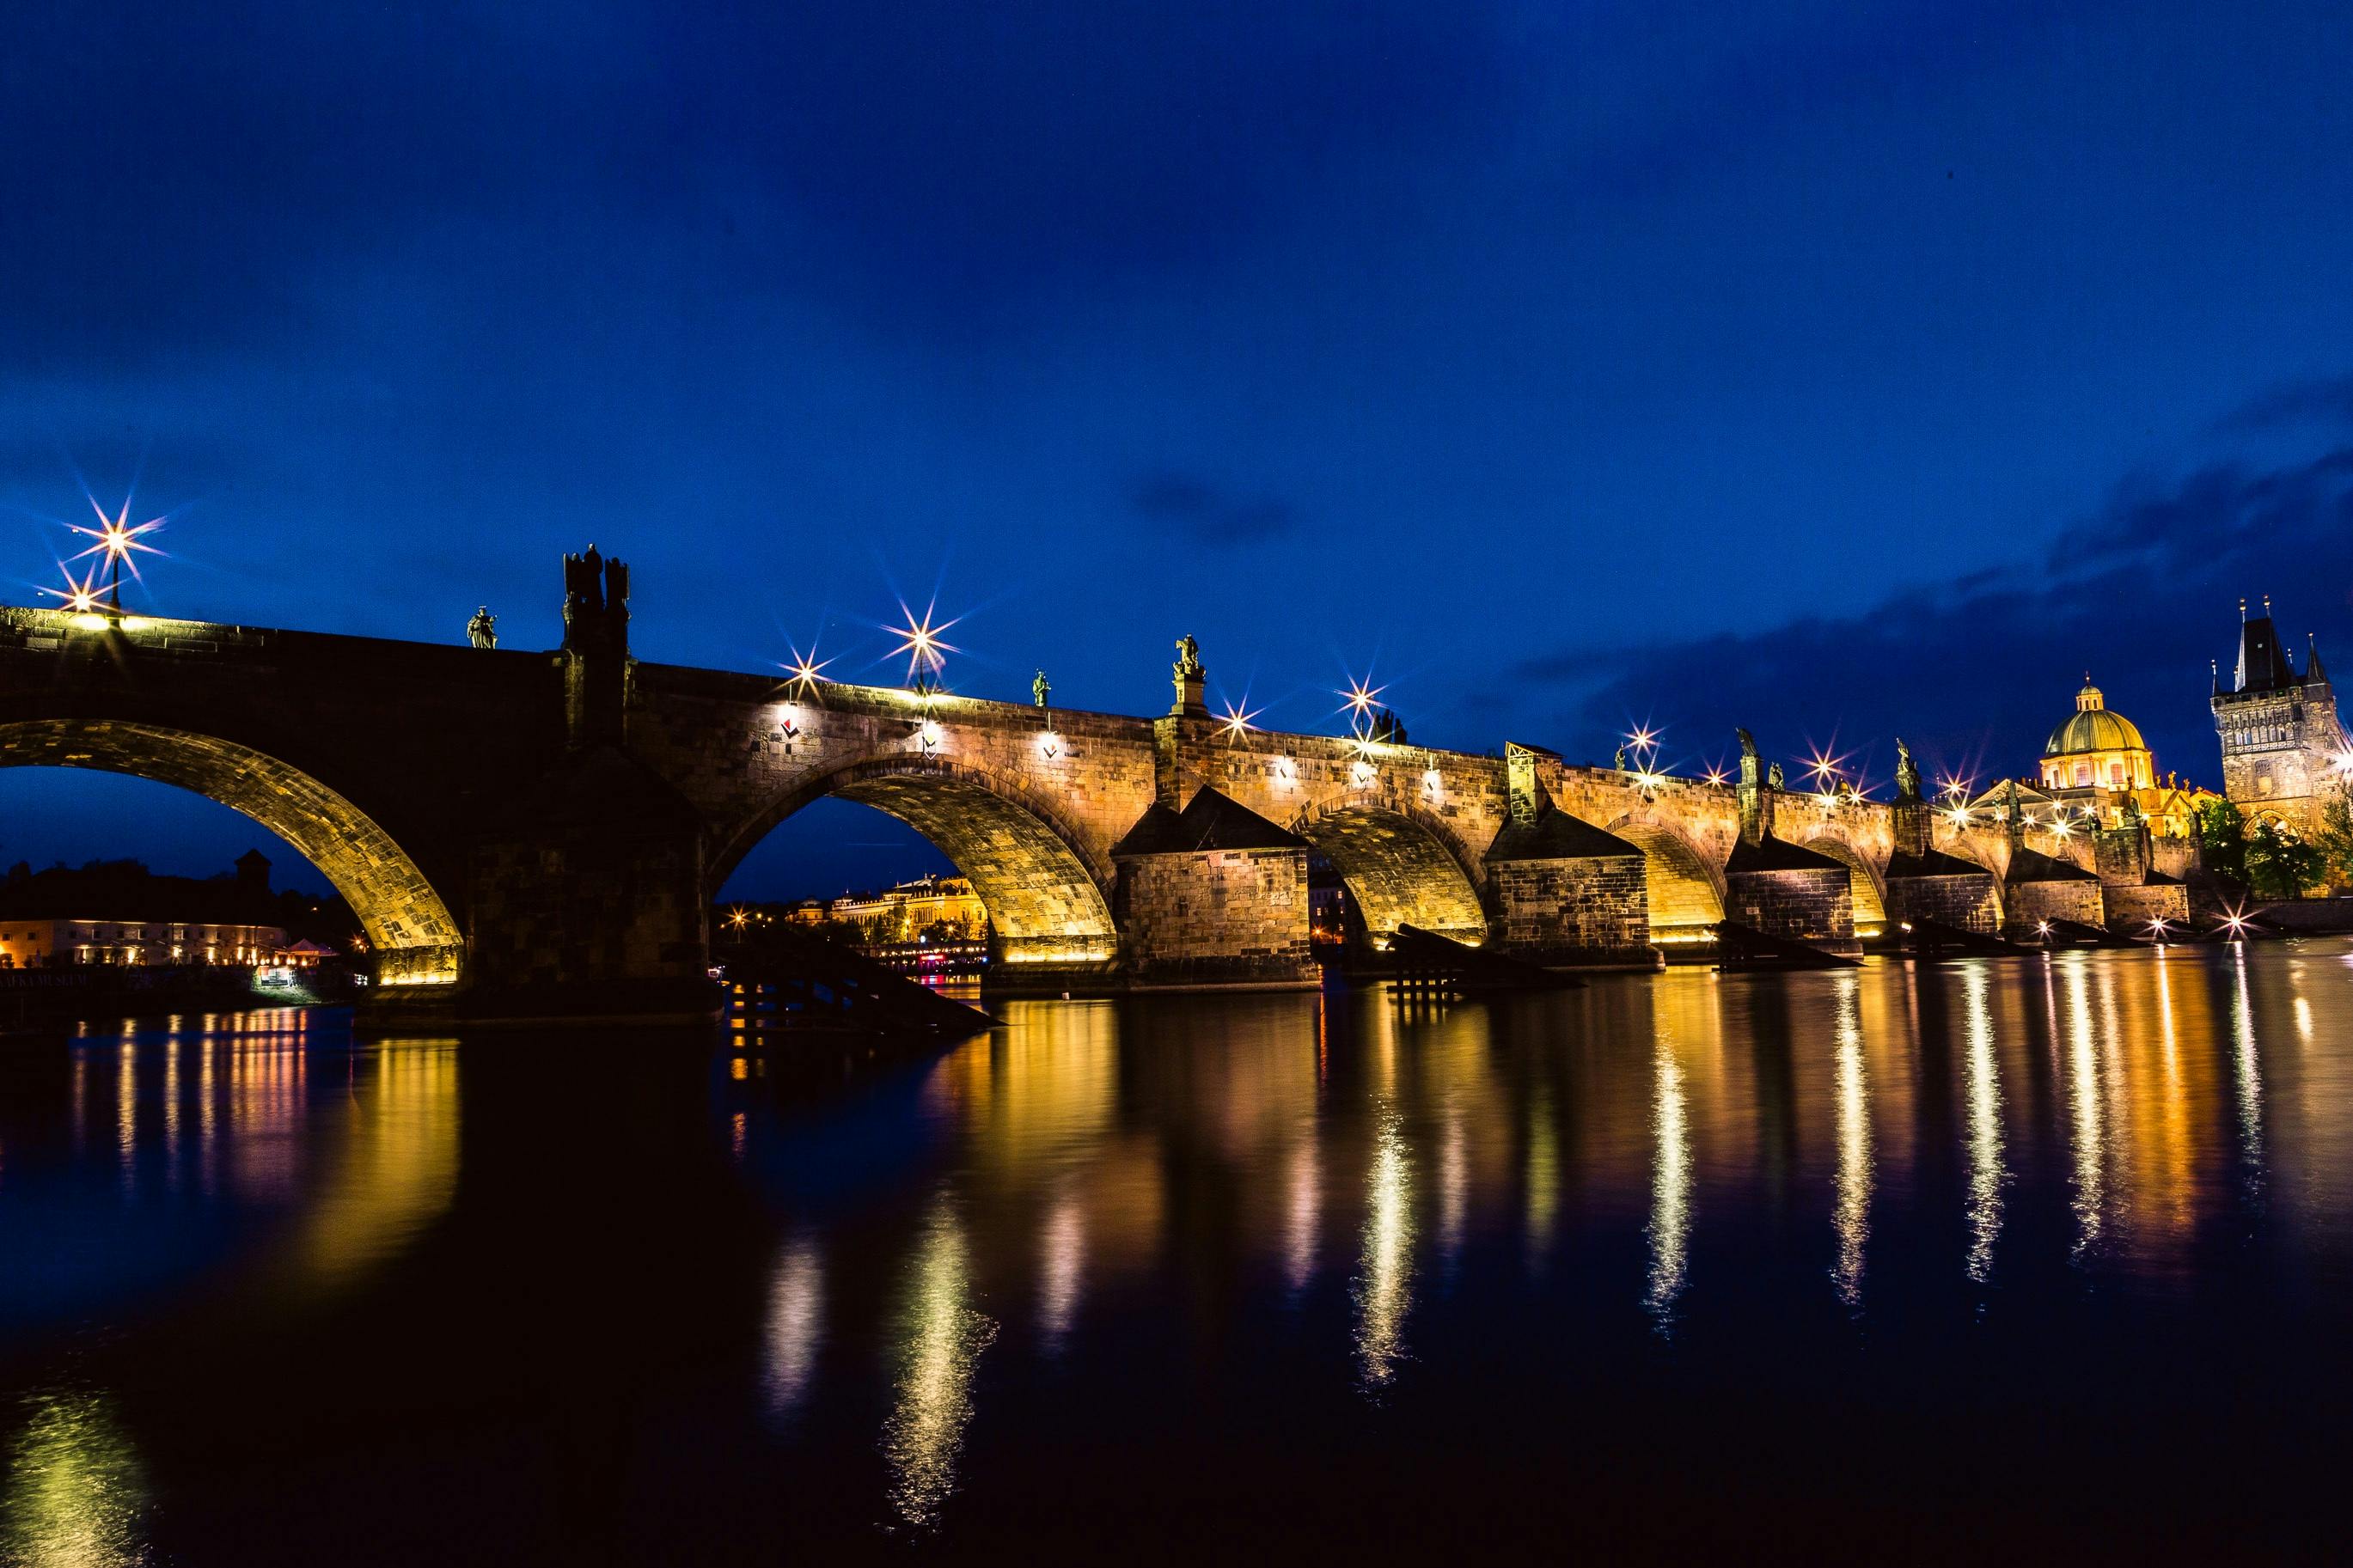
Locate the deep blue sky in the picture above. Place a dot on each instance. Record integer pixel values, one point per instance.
(1839, 370)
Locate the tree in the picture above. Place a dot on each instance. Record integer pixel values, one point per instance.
(2221, 840)
(2335, 838)
(2280, 863)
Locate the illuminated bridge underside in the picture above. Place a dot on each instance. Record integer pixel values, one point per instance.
(1044, 903)
(1398, 872)
(1870, 909)
(410, 927)
(1683, 896)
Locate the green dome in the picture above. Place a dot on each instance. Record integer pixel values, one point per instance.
(2091, 728)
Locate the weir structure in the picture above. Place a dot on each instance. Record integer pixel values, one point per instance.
(540, 836)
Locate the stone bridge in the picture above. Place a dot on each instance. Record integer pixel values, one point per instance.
(541, 834)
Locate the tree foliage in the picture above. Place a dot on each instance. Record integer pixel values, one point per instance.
(2221, 840)
(2280, 863)
(2335, 838)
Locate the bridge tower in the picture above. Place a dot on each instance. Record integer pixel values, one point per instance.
(2279, 730)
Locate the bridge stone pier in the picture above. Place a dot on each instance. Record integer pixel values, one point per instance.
(539, 836)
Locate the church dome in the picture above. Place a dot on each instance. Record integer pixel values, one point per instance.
(2093, 728)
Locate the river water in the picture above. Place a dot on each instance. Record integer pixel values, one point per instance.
(2032, 1257)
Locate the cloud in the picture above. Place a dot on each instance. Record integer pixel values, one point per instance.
(1206, 514)
(2142, 595)
(2325, 400)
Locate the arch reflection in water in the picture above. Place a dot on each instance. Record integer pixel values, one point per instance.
(1671, 1180)
(796, 1324)
(397, 1166)
(1982, 1094)
(1383, 1277)
(1852, 1211)
(941, 1340)
(76, 1493)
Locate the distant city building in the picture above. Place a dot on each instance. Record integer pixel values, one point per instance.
(904, 913)
(121, 914)
(2283, 747)
(2095, 769)
(68, 944)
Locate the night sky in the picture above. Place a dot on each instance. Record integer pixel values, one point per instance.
(1838, 370)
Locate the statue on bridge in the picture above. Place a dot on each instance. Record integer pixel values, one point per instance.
(1749, 767)
(482, 631)
(1774, 778)
(1040, 690)
(1189, 677)
(1618, 761)
(1907, 773)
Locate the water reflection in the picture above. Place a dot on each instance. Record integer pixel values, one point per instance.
(1851, 1213)
(2087, 1110)
(796, 1324)
(1671, 1177)
(1543, 1178)
(940, 1340)
(392, 1168)
(1216, 1225)
(1062, 1257)
(2247, 1079)
(1981, 1095)
(1303, 1213)
(75, 1492)
(1386, 1267)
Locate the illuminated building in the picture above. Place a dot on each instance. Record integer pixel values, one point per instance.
(78, 944)
(118, 914)
(905, 912)
(2283, 747)
(2094, 766)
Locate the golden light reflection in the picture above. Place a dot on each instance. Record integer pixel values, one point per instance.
(1383, 1294)
(2087, 1113)
(2248, 1071)
(76, 1493)
(1670, 1181)
(393, 1168)
(1544, 1174)
(1061, 1268)
(1453, 1185)
(1852, 1212)
(1981, 1093)
(941, 1340)
(1303, 1214)
(796, 1324)
(126, 1114)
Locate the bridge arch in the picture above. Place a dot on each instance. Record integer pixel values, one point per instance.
(1402, 866)
(1045, 891)
(1684, 888)
(1869, 886)
(416, 941)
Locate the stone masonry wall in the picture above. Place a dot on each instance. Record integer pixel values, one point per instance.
(1968, 901)
(1591, 911)
(2131, 908)
(2032, 901)
(1216, 916)
(1810, 905)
